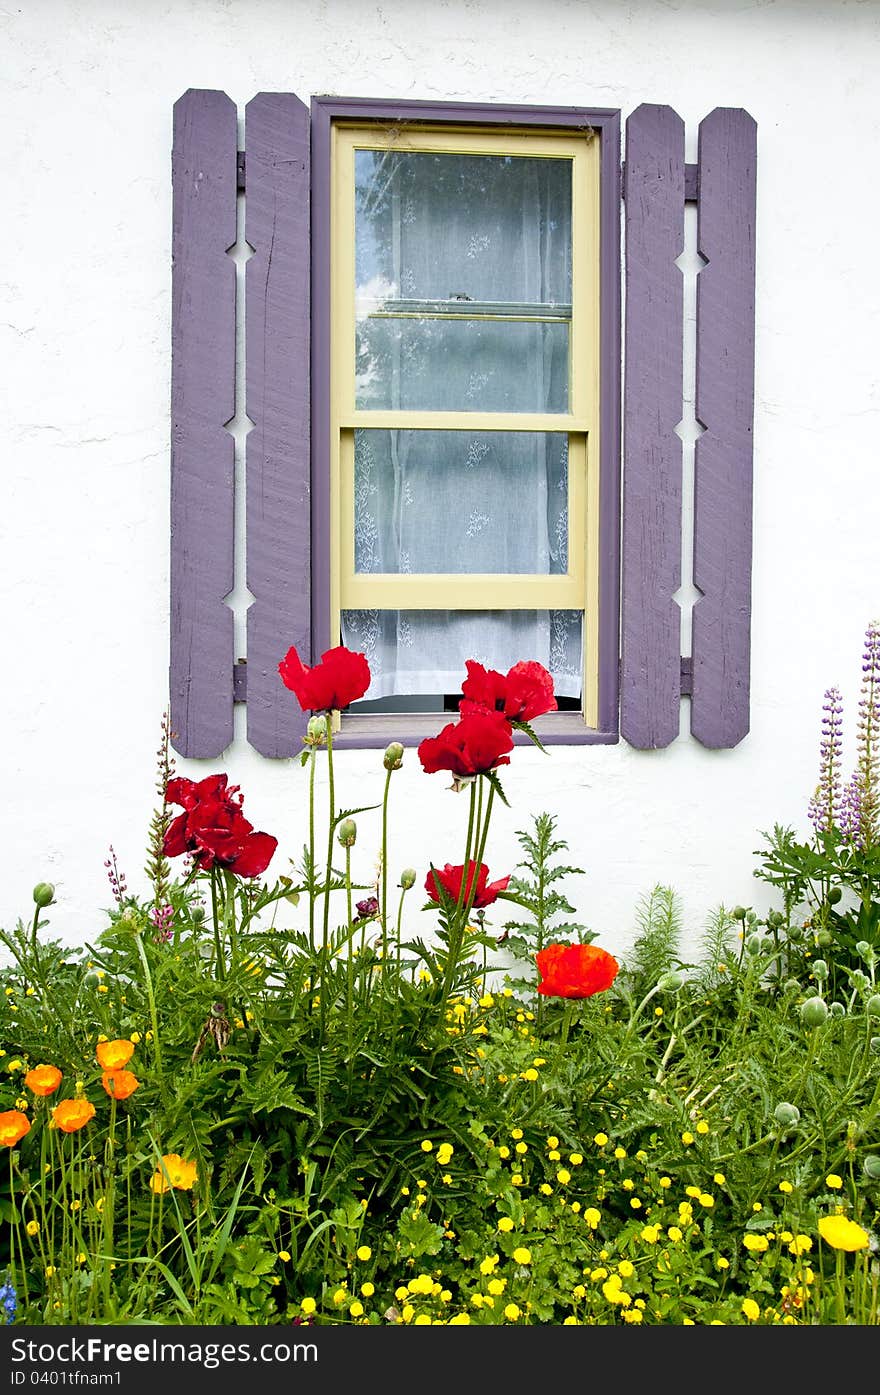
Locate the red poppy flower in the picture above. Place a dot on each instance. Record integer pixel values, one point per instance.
(213, 828)
(474, 744)
(523, 693)
(575, 971)
(341, 677)
(450, 878)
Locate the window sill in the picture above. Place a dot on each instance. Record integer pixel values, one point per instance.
(374, 732)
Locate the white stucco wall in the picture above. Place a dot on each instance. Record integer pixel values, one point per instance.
(87, 94)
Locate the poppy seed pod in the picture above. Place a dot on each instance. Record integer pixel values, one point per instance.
(44, 894)
(814, 1012)
(786, 1115)
(393, 757)
(347, 833)
(872, 1006)
(871, 1166)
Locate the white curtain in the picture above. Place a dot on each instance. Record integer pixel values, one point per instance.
(453, 254)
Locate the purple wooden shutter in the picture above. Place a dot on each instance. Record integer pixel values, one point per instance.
(202, 400)
(653, 672)
(725, 403)
(277, 338)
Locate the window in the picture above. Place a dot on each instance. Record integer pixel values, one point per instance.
(457, 467)
(427, 412)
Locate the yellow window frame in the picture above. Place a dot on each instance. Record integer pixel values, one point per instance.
(578, 587)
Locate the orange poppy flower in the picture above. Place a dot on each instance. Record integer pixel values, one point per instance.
(13, 1126)
(43, 1080)
(114, 1055)
(181, 1174)
(119, 1084)
(72, 1115)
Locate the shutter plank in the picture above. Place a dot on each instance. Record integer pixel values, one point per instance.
(277, 461)
(202, 399)
(725, 380)
(654, 191)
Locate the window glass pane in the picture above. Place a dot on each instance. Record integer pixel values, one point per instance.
(424, 651)
(434, 502)
(463, 281)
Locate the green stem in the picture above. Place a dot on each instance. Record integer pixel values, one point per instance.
(312, 851)
(384, 872)
(151, 1000)
(325, 930)
(220, 965)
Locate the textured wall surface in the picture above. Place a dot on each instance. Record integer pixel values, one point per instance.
(88, 88)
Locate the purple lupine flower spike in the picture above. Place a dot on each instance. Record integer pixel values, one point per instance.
(824, 806)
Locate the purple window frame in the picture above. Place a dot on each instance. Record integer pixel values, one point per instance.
(375, 730)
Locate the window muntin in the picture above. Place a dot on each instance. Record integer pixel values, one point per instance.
(382, 343)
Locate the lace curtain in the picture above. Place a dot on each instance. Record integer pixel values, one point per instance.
(463, 275)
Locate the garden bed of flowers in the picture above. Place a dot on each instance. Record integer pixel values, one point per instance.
(429, 1096)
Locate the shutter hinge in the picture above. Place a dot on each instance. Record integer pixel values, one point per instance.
(240, 170)
(691, 182)
(239, 680)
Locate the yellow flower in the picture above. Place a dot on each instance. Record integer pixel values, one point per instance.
(756, 1243)
(489, 1264)
(531, 1074)
(665, 1182)
(135, 1037)
(626, 1269)
(674, 1233)
(722, 1263)
(650, 1234)
(563, 1176)
(843, 1234)
(33, 1227)
(620, 1152)
(719, 1179)
(505, 1223)
(368, 1290)
(702, 1126)
(833, 1181)
(511, 1312)
(497, 1286)
(575, 1159)
(687, 1139)
(176, 1172)
(751, 1309)
(522, 1255)
(504, 1151)
(363, 1252)
(427, 1145)
(592, 1217)
(284, 1256)
(308, 1305)
(706, 1200)
(800, 1245)
(356, 1309)
(786, 1187)
(600, 1139)
(554, 1155)
(50, 1270)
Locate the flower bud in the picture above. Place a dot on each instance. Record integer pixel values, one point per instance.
(791, 985)
(872, 1006)
(393, 758)
(316, 731)
(786, 1115)
(670, 982)
(347, 833)
(814, 1012)
(874, 1044)
(408, 878)
(775, 919)
(754, 944)
(824, 938)
(865, 951)
(837, 1010)
(739, 912)
(858, 980)
(44, 894)
(871, 1167)
(819, 968)
(795, 932)
(834, 895)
